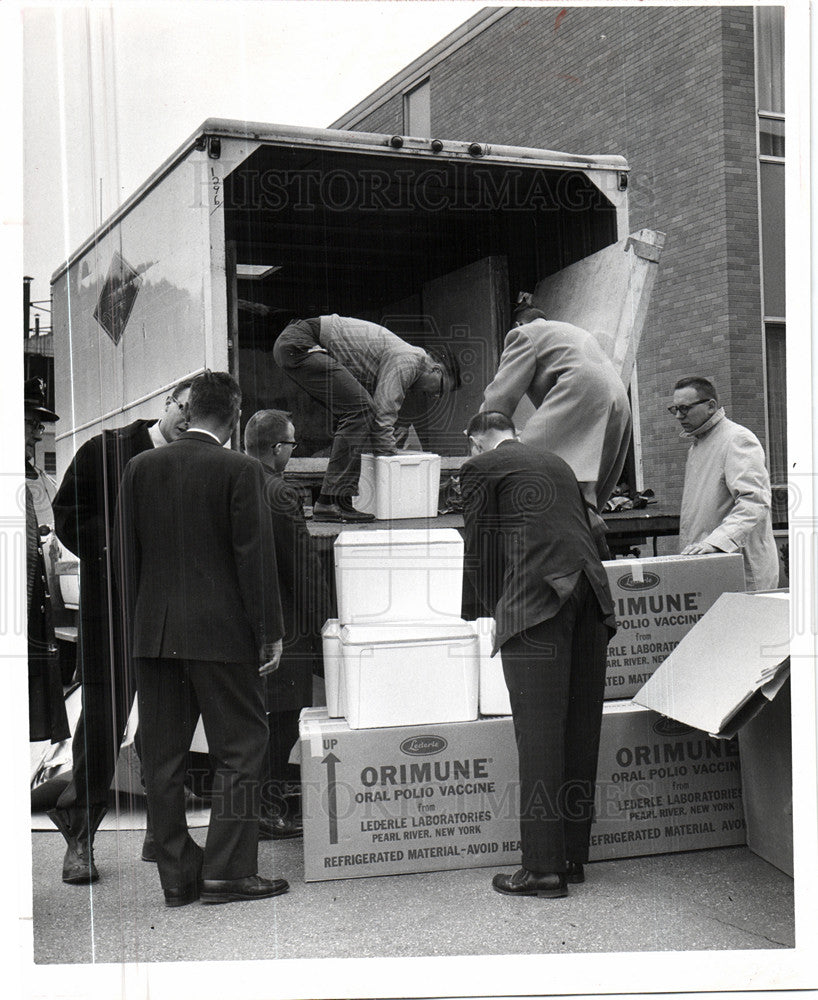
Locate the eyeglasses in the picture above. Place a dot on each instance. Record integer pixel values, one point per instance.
(35, 424)
(292, 444)
(684, 410)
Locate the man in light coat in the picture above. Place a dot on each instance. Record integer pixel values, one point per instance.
(726, 497)
(582, 414)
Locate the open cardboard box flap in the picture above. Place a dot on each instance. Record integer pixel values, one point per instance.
(730, 664)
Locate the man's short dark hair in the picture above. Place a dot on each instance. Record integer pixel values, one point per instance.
(704, 387)
(526, 314)
(265, 428)
(215, 396)
(442, 356)
(491, 420)
(180, 387)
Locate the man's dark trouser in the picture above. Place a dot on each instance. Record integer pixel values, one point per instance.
(555, 674)
(107, 699)
(333, 386)
(171, 694)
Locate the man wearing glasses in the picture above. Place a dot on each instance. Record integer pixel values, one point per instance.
(361, 372)
(270, 437)
(84, 521)
(726, 497)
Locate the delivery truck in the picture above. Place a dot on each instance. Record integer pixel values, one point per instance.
(246, 223)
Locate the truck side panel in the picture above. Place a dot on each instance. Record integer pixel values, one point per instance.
(131, 314)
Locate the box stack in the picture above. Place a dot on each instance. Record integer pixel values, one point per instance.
(399, 654)
(399, 755)
(657, 601)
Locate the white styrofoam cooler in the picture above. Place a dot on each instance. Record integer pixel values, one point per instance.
(397, 486)
(409, 674)
(494, 698)
(333, 674)
(398, 575)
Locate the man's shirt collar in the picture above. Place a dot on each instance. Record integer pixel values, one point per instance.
(201, 430)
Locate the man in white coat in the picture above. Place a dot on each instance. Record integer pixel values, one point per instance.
(726, 497)
(582, 415)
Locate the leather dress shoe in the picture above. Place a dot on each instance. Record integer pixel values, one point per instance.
(183, 895)
(280, 828)
(574, 873)
(237, 889)
(550, 885)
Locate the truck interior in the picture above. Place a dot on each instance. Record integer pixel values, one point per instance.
(436, 250)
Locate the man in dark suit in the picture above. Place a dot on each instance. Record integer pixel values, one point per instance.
(84, 522)
(531, 563)
(198, 578)
(270, 437)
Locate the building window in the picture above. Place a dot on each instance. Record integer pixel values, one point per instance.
(772, 237)
(776, 344)
(50, 462)
(769, 22)
(417, 110)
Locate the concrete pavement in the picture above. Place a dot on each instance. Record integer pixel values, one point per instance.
(701, 900)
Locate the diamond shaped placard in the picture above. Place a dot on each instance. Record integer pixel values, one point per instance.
(117, 297)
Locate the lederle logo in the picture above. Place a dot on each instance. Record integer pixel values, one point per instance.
(648, 580)
(670, 727)
(423, 746)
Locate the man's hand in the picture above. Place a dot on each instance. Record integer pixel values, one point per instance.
(270, 657)
(699, 549)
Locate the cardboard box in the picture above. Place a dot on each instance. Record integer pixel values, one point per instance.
(657, 601)
(663, 787)
(722, 678)
(399, 486)
(399, 575)
(428, 798)
(765, 747)
(407, 799)
(409, 674)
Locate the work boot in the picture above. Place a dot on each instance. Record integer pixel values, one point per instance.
(351, 513)
(78, 826)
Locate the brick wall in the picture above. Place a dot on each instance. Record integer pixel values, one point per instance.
(671, 89)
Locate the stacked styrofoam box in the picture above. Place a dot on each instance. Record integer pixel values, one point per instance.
(399, 486)
(494, 698)
(333, 675)
(405, 655)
